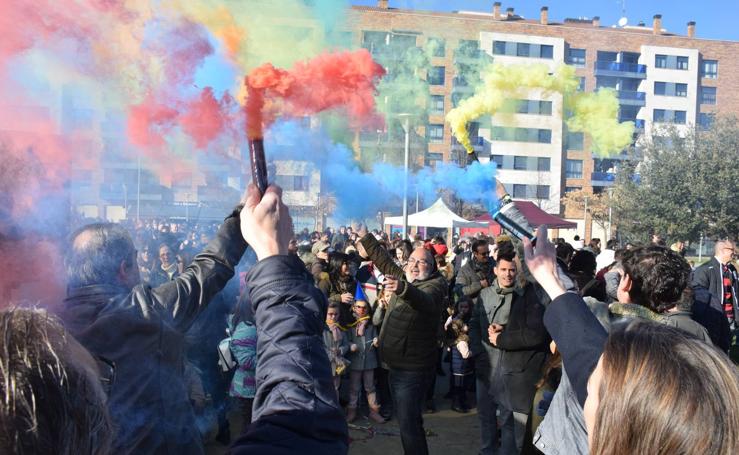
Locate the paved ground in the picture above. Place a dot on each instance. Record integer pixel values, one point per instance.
(448, 432)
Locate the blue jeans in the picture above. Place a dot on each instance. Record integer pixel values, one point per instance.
(408, 389)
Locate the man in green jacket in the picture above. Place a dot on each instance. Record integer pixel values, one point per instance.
(408, 336)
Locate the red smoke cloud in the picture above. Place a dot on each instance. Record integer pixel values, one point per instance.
(148, 121)
(205, 117)
(338, 80)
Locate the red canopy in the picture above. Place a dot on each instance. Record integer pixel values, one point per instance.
(533, 214)
(538, 217)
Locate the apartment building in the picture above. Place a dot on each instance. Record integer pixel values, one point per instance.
(660, 78)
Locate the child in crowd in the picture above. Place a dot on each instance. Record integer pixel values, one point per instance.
(336, 344)
(362, 336)
(462, 365)
(244, 348)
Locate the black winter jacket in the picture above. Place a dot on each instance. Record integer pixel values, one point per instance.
(142, 331)
(410, 329)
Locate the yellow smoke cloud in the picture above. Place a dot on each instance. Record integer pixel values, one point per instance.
(593, 113)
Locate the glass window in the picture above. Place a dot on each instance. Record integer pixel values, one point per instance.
(403, 41)
(576, 57)
(499, 47)
(374, 41)
(437, 104)
(570, 189)
(573, 169)
(545, 136)
(660, 61)
(545, 107)
(546, 51)
(300, 183)
(436, 133)
(682, 63)
(659, 115)
(522, 49)
(705, 120)
(659, 88)
(542, 191)
(574, 141)
(680, 117)
(581, 87)
(437, 47)
(543, 164)
(520, 162)
(709, 69)
(708, 95)
(681, 90)
(436, 75)
(498, 160)
(519, 191)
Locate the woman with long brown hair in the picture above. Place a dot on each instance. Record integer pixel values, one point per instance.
(645, 388)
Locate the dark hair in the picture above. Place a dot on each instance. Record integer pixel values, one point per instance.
(658, 276)
(50, 402)
(335, 261)
(564, 252)
(95, 253)
(611, 244)
(506, 254)
(477, 243)
(583, 261)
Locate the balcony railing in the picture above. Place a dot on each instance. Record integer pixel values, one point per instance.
(603, 176)
(631, 95)
(621, 67)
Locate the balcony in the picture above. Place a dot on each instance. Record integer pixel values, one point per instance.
(620, 69)
(638, 123)
(603, 178)
(631, 98)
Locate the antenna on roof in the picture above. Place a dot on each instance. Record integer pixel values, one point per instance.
(624, 20)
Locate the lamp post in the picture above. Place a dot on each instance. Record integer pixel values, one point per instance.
(406, 128)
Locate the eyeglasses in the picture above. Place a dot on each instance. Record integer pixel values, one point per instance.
(413, 262)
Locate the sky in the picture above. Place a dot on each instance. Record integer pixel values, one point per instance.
(715, 19)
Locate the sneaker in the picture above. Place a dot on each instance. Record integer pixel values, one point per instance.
(375, 416)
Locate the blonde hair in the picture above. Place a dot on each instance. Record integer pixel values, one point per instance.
(665, 392)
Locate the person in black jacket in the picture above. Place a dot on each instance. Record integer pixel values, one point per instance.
(295, 408)
(141, 330)
(716, 287)
(509, 343)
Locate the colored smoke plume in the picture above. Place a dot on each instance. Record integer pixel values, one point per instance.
(336, 80)
(593, 113)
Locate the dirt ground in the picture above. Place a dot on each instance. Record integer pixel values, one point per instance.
(448, 432)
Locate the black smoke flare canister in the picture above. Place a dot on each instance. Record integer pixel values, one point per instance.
(514, 222)
(258, 164)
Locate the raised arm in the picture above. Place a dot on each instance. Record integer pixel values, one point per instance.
(188, 294)
(372, 250)
(295, 407)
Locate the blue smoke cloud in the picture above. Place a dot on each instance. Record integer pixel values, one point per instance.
(360, 194)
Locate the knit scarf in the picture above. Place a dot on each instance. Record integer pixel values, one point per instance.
(506, 299)
(335, 331)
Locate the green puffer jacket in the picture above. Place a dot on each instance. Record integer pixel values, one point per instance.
(409, 333)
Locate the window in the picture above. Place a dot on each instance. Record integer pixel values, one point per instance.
(679, 117)
(520, 163)
(581, 87)
(499, 47)
(545, 136)
(498, 160)
(374, 41)
(404, 42)
(659, 115)
(543, 164)
(709, 69)
(660, 88)
(660, 61)
(300, 183)
(437, 47)
(682, 63)
(534, 107)
(681, 90)
(437, 104)
(708, 95)
(542, 191)
(436, 133)
(573, 169)
(570, 189)
(522, 49)
(546, 51)
(576, 57)
(705, 120)
(607, 56)
(541, 136)
(519, 191)
(574, 141)
(436, 75)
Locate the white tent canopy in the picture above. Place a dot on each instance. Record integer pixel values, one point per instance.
(436, 216)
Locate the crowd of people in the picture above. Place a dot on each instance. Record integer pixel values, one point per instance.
(562, 348)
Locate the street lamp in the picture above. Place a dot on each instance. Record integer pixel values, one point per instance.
(406, 128)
